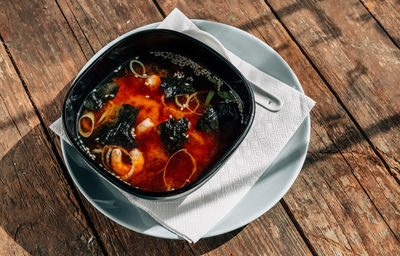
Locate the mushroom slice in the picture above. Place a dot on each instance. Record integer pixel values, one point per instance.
(145, 125)
(86, 124)
(179, 169)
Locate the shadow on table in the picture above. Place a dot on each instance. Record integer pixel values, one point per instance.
(36, 198)
(352, 136)
(206, 245)
(49, 112)
(38, 213)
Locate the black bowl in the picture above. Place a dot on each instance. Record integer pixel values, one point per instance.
(121, 51)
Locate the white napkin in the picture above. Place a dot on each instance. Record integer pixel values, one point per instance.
(193, 216)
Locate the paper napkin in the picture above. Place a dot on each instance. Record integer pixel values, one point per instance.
(193, 216)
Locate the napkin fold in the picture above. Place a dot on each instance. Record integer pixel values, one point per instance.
(193, 216)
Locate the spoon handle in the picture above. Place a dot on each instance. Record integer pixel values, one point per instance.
(266, 99)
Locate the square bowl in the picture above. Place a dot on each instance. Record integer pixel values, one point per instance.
(156, 40)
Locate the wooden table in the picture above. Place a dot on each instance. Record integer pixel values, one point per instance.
(346, 55)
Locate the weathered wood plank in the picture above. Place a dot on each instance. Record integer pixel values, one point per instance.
(98, 22)
(48, 56)
(387, 13)
(95, 24)
(330, 203)
(340, 152)
(38, 213)
(8, 246)
(357, 60)
(18, 116)
(271, 234)
(98, 36)
(44, 50)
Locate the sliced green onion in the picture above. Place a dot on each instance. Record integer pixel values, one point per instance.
(133, 70)
(226, 95)
(177, 102)
(210, 95)
(212, 80)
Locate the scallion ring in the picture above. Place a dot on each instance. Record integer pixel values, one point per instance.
(210, 95)
(177, 102)
(133, 70)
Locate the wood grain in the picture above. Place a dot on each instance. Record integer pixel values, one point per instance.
(357, 60)
(344, 201)
(48, 55)
(9, 246)
(271, 234)
(387, 13)
(38, 213)
(18, 116)
(95, 23)
(44, 50)
(98, 36)
(335, 142)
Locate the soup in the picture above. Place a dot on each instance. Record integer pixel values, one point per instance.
(159, 121)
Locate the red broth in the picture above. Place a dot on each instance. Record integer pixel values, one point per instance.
(149, 165)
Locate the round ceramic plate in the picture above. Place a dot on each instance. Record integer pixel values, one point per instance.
(268, 190)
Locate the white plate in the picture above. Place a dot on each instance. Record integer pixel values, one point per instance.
(268, 190)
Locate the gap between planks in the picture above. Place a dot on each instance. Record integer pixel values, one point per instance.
(53, 148)
(48, 136)
(286, 207)
(72, 31)
(204, 13)
(161, 11)
(282, 201)
(328, 86)
(287, 210)
(341, 103)
(380, 25)
(348, 113)
(298, 227)
(159, 8)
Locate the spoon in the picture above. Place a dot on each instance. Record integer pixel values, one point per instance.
(266, 99)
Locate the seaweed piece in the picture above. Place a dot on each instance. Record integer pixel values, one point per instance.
(99, 96)
(120, 133)
(227, 111)
(172, 133)
(208, 122)
(176, 85)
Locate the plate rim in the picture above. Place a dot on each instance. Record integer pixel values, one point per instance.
(212, 232)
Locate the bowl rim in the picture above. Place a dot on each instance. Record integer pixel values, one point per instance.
(173, 194)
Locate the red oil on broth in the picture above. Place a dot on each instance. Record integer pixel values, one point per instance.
(159, 122)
